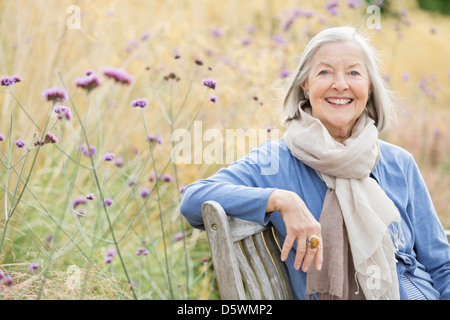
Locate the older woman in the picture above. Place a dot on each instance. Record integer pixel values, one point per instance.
(352, 212)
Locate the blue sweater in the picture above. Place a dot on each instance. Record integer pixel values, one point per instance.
(244, 187)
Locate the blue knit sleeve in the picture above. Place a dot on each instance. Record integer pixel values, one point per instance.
(242, 189)
(431, 245)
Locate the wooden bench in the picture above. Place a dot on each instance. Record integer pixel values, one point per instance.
(246, 257)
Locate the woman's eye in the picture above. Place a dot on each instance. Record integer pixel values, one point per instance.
(354, 73)
(323, 72)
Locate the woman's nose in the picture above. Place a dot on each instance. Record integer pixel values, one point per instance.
(339, 84)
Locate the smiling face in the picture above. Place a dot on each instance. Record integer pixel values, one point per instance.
(338, 85)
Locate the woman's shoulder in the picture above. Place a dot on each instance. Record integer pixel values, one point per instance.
(273, 148)
(392, 154)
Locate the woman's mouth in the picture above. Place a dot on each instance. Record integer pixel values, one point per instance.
(339, 102)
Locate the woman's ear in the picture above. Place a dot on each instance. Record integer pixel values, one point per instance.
(304, 86)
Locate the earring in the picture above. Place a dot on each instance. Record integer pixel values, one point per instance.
(306, 93)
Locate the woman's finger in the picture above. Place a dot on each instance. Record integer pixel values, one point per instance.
(287, 245)
(301, 251)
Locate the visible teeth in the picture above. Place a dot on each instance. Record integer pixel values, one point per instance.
(339, 101)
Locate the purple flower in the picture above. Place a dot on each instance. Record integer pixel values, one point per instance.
(405, 76)
(279, 39)
(304, 13)
(284, 73)
(118, 75)
(181, 189)
(8, 280)
(210, 83)
(83, 148)
(354, 3)
(2, 275)
(2, 137)
(178, 236)
(140, 102)
(108, 156)
(141, 251)
(78, 201)
(17, 78)
(145, 192)
(55, 94)
(34, 266)
(331, 6)
(118, 162)
(9, 81)
(63, 112)
(20, 143)
(145, 36)
(111, 253)
(216, 32)
(154, 138)
(108, 202)
(108, 259)
(89, 80)
(167, 177)
(90, 196)
(213, 99)
(246, 41)
(50, 138)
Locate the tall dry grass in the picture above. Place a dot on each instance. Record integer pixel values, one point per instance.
(244, 46)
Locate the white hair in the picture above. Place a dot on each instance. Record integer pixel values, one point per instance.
(380, 104)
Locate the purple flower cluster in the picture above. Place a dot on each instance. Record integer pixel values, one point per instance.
(6, 279)
(119, 162)
(63, 112)
(109, 156)
(164, 177)
(154, 138)
(178, 236)
(33, 266)
(145, 192)
(332, 7)
(20, 143)
(48, 138)
(108, 201)
(141, 251)
(78, 201)
(83, 148)
(210, 83)
(89, 80)
(9, 81)
(284, 73)
(2, 137)
(110, 254)
(118, 75)
(140, 102)
(294, 15)
(213, 99)
(55, 94)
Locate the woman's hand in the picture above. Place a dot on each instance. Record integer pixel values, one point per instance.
(300, 225)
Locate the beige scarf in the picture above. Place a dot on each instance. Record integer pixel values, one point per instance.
(355, 208)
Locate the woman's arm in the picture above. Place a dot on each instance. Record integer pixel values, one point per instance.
(431, 244)
(240, 189)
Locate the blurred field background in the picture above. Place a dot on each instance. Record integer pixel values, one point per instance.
(140, 247)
